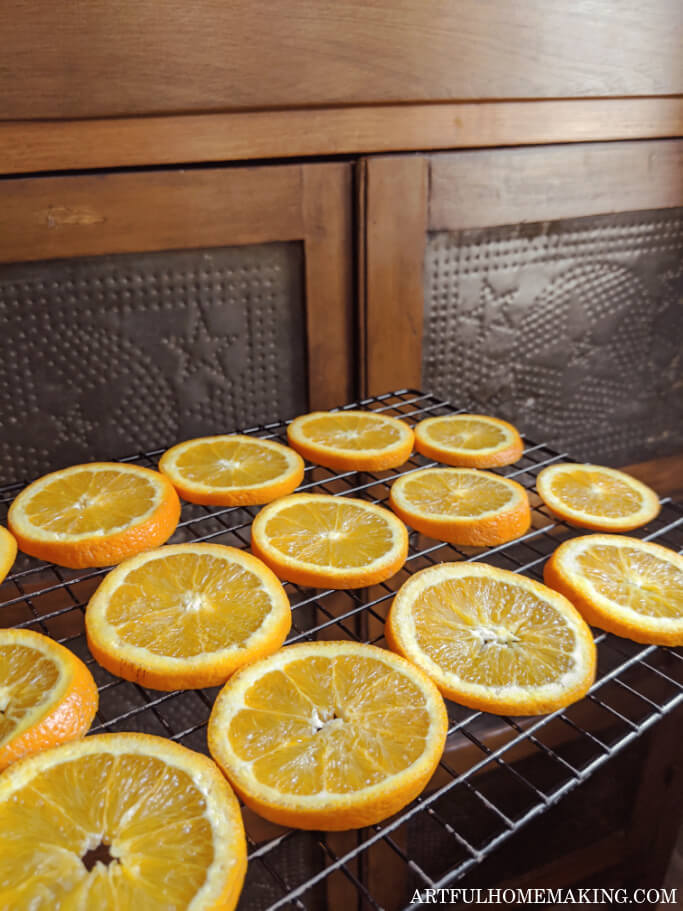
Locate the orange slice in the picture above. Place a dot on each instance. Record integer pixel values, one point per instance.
(8, 552)
(328, 735)
(94, 515)
(47, 695)
(186, 615)
(351, 440)
(325, 541)
(592, 496)
(491, 639)
(232, 470)
(119, 822)
(469, 440)
(622, 585)
(462, 505)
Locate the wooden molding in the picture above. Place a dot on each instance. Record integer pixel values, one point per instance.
(35, 146)
(395, 235)
(327, 211)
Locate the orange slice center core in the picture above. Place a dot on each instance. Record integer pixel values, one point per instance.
(466, 433)
(334, 725)
(492, 633)
(231, 463)
(145, 840)
(187, 605)
(349, 431)
(456, 494)
(596, 493)
(329, 534)
(634, 578)
(87, 502)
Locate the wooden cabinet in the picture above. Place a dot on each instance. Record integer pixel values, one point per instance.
(539, 283)
(152, 306)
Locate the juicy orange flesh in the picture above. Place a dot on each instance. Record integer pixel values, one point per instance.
(596, 493)
(450, 494)
(333, 725)
(466, 433)
(634, 578)
(87, 502)
(150, 814)
(6, 545)
(27, 680)
(188, 604)
(351, 431)
(337, 534)
(493, 633)
(231, 463)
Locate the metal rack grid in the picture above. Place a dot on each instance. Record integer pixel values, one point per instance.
(482, 792)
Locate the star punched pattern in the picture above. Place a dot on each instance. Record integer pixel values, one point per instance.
(202, 354)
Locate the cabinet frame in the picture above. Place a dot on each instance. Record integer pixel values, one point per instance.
(403, 197)
(71, 216)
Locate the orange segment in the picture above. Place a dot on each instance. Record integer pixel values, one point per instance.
(119, 822)
(491, 639)
(186, 615)
(320, 540)
(328, 735)
(623, 585)
(232, 470)
(592, 496)
(8, 552)
(94, 515)
(462, 505)
(351, 440)
(469, 440)
(47, 694)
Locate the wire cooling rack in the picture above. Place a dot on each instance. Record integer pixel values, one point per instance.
(485, 788)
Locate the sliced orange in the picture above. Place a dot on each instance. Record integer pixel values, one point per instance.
(47, 695)
(186, 615)
(8, 552)
(94, 515)
(119, 822)
(351, 440)
(462, 505)
(232, 470)
(328, 735)
(325, 541)
(623, 585)
(592, 496)
(469, 440)
(493, 640)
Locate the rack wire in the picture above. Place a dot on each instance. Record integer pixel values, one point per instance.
(482, 793)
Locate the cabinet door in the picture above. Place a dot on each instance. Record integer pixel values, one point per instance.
(141, 308)
(542, 284)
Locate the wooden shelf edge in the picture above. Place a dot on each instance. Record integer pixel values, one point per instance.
(665, 475)
(58, 145)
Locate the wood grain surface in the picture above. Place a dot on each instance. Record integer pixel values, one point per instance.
(508, 186)
(53, 217)
(327, 211)
(107, 58)
(395, 234)
(53, 145)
